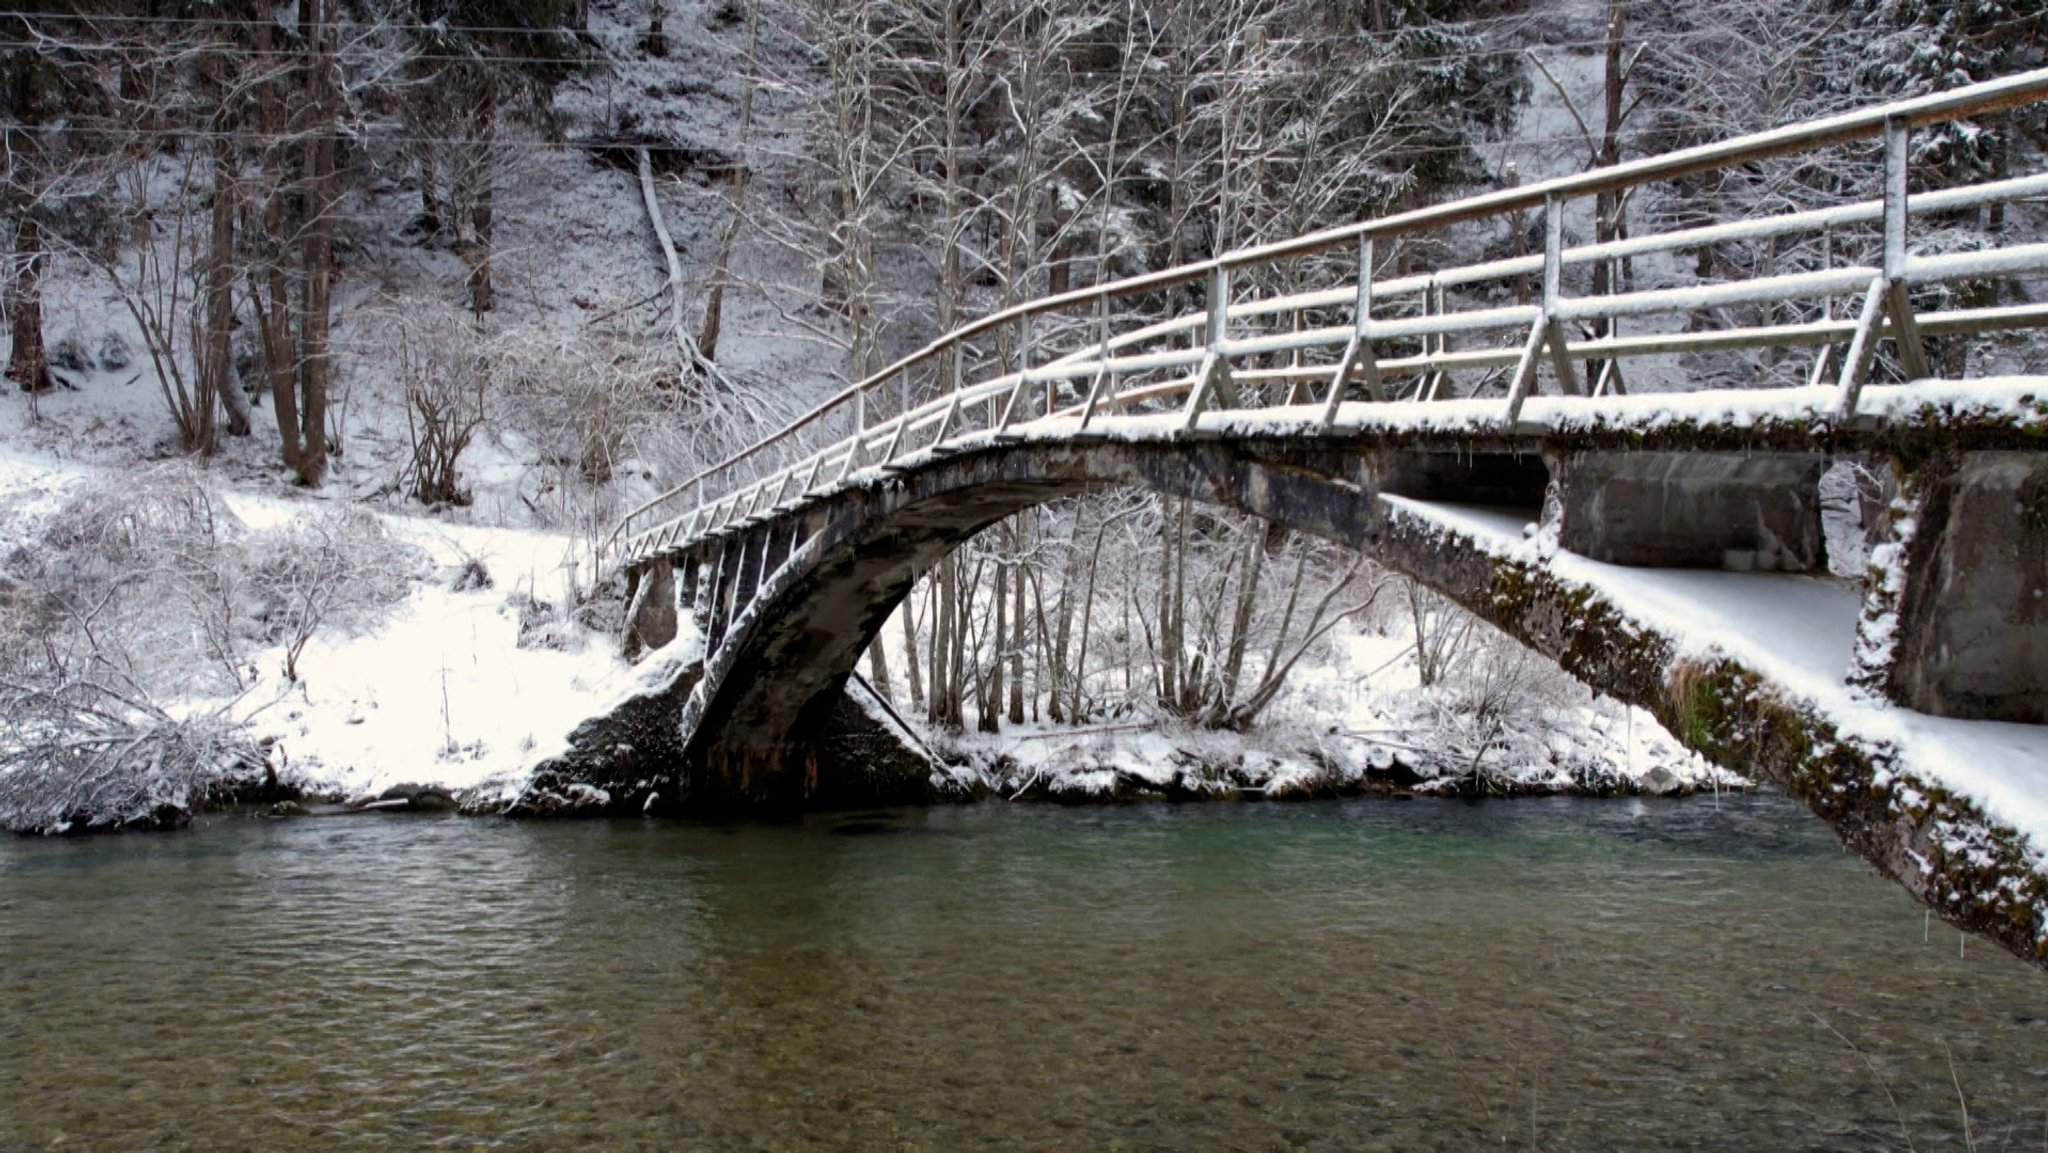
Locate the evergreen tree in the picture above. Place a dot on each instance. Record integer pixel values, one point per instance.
(1912, 47)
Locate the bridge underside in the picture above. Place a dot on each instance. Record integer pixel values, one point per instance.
(1953, 623)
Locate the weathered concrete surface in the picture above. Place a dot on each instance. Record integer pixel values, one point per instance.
(1747, 513)
(651, 619)
(1972, 629)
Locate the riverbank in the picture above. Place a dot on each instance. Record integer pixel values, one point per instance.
(486, 648)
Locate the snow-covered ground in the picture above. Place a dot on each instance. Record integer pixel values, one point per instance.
(1361, 721)
(449, 690)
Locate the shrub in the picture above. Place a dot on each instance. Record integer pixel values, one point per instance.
(336, 569)
(445, 368)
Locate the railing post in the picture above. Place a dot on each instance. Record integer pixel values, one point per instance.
(1898, 136)
(1214, 374)
(1827, 311)
(1101, 378)
(1219, 306)
(953, 406)
(1889, 292)
(860, 431)
(1897, 140)
(1434, 344)
(1052, 384)
(1023, 360)
(1553, 295)
(902, 418)
(1359, 355)
(1024, 357)
(1545, 331)
(1295, 325)
(889, 451)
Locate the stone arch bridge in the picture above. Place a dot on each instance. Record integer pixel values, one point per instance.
(1543, 455)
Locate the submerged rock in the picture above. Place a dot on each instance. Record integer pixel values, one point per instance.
(407, 798)
(1660, 782)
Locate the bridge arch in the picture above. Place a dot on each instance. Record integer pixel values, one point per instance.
(778, 669)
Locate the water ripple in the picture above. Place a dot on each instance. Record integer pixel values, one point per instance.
(1352, 976)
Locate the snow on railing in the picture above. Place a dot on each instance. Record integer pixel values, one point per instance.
(1211, 357)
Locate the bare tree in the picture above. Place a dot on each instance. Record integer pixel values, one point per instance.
(742, 177)
(471, 63)
(445, 371)
(291, 270)
(171, 282)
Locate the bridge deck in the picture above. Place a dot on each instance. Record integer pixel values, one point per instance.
(1800, 633)
(1799, 418)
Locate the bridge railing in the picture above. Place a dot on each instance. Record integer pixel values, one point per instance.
(1063, 363)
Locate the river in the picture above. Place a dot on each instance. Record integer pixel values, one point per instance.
(1554, 974)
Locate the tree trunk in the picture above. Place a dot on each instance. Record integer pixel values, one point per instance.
(911, 675)
(270, 296)
(1169, 656)
(941, 642)
(216, 375)
(991, 704)
(1608, 206)
(1076, 710)
(728, 237)
(1241, 619)
(963, 605)
(433, 206)
(317, 248)
(878, 668)
(29, 364)
(482, 214)
(274, 328)
(1177, 651)
(1020, 537)
(1063, 618)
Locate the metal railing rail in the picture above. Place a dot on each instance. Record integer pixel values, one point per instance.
(1193, 359)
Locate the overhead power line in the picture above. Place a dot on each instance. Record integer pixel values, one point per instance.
(567, 59)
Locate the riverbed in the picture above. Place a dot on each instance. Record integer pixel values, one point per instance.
(1560, 974)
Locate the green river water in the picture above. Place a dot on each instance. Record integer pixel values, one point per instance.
(1546, 974)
